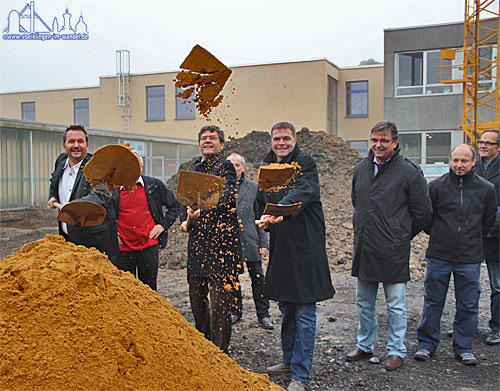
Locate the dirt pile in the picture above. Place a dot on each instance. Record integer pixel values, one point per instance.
(335, 161)
(72, 321)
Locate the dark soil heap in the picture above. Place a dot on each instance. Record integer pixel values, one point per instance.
(335, 161)
(70, 320)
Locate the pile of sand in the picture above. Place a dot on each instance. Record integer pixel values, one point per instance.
(71, 321)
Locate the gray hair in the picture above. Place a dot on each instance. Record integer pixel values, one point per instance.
(238, 155)
(139, 156)
(386, 126)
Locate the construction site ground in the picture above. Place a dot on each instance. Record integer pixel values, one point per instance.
(255, 348)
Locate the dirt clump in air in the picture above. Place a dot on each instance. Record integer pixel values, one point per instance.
(71, 321)
(204, 75)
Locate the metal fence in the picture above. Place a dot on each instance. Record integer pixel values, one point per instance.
(28, 151)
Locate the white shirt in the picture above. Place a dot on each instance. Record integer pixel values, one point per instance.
(66, 184)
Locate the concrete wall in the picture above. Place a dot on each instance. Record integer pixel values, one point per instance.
(420, 112)
(425, 112)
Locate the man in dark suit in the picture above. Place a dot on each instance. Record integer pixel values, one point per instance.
(68, 183)
(254, 243)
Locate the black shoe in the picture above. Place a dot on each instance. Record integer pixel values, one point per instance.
(235, 318)
(266, 323)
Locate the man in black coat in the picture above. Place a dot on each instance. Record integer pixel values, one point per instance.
(68, 183)
(464, 207)
(298, 274)
(214, 247)
(391, 205)
(488, 168)
(254, 242)
(144, 217)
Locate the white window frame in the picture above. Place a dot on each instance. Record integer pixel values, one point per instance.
(455, 88)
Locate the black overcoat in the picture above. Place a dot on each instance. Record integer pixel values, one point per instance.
(104, 237)
(214, 247)
(298, 269)
(491, 246)
(389, 210)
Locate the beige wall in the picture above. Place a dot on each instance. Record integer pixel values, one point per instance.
(53, 106)
(358, 128)
(256, 97)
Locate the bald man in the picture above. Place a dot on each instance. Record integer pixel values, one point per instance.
(464, 208)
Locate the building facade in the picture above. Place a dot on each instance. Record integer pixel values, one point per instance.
(315, 94)
(428, 113)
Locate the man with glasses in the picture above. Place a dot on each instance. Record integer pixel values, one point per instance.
(214, 247)
(391, 205)
(488, 168)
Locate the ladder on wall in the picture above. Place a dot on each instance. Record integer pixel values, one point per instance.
(123, 87)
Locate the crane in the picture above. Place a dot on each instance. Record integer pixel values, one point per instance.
(479, 70)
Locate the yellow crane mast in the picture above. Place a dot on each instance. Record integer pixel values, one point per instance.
(479, 69)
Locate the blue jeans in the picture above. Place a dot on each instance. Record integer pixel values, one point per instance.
(437, 279)
(298, 333)
(395, 298)
(494, 273)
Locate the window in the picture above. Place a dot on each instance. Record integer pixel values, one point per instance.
(360, 146)
(411, 146)
(81, 111)
(184, 108)
(435, 148)
(28, 111)
(332, 105)
(155, 103)
(438, 147)
(486, 56)
(357, 98)
(418, 73)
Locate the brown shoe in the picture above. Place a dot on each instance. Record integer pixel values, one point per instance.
(358, 354)
(394, 362)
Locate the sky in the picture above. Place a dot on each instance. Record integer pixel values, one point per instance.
(160, 34)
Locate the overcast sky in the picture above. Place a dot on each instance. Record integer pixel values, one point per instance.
(160, 34)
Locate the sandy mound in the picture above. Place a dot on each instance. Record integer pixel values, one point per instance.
(71, 321)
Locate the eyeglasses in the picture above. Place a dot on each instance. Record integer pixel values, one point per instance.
(487, 143)
(209, 138)
(382, 141)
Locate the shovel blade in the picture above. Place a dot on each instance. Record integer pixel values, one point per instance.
(198, 190)
(82, 214)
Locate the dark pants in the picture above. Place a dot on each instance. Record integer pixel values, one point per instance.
(467, 289)
(141, 263)
(212, 317)
(258, 280)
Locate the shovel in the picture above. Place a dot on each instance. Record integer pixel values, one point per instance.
(271, 177)
(115, 165)
(81, 213)
(277, 210)
(198, 190)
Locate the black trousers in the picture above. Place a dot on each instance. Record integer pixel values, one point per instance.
(258, 281)
(141, 263)
(211, 304)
